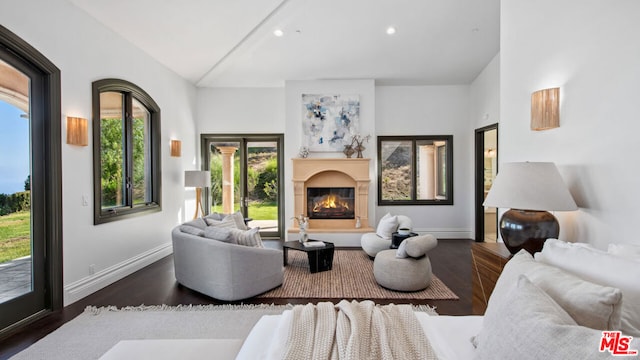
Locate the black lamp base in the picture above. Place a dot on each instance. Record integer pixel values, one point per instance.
(527, 229)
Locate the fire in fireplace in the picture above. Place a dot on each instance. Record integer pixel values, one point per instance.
(330, 203)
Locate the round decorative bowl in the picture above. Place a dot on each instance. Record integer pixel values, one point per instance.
(404, 231)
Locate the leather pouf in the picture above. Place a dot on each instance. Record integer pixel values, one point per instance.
(406, 274)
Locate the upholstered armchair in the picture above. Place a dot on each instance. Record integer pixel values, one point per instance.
(374, 242)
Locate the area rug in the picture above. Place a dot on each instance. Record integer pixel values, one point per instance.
(351, 277)
(97, 330)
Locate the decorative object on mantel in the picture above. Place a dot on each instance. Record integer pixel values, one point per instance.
(198, 179)
(530, 189)
(348, 151)
(545, 109)
(303, 152)
(329, 120)
(358, 140)
(358, 222)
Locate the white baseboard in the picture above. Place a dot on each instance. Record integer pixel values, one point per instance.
(446, 233)
(90, 284)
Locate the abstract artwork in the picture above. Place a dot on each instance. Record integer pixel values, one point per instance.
(329, 121)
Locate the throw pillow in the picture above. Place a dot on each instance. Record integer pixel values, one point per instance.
(249, 237)
(219, 233)
(238, 218)
(589, 304)
(601, 268)
(530, 325)
(214, 216)
(225, 223)
(191, 230)
(198, 222)
(417, 246)
(401, 253)
(387, 226)
(628, 251)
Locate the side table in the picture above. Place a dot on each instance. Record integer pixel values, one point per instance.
(488, 261)
(396, 239)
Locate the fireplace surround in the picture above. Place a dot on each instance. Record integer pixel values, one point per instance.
(332, 173)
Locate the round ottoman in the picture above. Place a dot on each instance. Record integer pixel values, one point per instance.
(407, 274)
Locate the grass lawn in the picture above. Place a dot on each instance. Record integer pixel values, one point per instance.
(257, 211)
(15, 236)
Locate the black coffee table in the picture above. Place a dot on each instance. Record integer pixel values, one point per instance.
(396, 239)
(320, 258)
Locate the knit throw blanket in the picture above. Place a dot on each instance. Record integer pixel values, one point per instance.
(356, 330)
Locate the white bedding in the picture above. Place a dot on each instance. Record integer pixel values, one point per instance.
(449, 336)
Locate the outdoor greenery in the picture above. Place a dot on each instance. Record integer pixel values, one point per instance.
(112, 157)
(15, 239)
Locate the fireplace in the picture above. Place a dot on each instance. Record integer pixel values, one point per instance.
(317, 177)
(330, 203)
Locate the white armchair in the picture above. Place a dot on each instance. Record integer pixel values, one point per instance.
(372, 243)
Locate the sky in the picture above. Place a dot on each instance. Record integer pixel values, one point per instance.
(14, 149)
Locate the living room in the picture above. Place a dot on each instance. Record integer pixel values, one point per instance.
(588, 50)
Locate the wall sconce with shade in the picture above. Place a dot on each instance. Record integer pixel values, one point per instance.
(545, 109)
(197, 179)
(176, 148)
(77, 131)
(530, 190)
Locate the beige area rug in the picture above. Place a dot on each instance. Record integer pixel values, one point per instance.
(351, 277)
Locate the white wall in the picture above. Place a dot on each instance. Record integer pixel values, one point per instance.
(432, 110)
(484, 96)
(86, 51)
(590, 50)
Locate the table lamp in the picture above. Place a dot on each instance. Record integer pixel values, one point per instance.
(198, 179)
(530, 190)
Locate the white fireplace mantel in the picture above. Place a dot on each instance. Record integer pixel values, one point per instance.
(336, 172)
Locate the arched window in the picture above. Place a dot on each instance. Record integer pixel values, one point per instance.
(126, 151)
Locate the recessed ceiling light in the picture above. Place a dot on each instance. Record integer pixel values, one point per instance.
(278, 32)
(391, 30)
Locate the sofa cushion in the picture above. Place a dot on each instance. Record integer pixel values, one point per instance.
(401, 253)
(528, 324)
(387, 225)
(249, 237)
(589, 304)
(214, 216)
(192, 230)
(601, 268)
(219, 233)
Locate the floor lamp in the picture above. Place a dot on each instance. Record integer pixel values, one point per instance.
(530, 190)
(198, 179)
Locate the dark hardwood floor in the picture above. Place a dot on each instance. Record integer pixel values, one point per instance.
(156, 284)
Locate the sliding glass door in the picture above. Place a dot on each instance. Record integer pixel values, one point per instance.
(246, 176)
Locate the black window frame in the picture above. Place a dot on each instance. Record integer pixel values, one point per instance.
(414, 180)
(130, 91)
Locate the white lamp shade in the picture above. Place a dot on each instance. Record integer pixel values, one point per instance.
(530, 186)
(197, 178)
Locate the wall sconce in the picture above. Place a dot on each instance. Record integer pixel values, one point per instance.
(176, 148)
(77, 131)
(545, 109)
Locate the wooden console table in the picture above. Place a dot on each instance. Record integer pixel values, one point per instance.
(488, 261)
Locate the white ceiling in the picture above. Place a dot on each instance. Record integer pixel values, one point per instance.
(220, 43)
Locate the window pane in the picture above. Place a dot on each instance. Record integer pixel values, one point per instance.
(111, 150)
(397, 157)
(431, 169)
(225, 177)
(141, 154)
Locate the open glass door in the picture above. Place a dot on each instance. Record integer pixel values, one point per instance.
(246, 176)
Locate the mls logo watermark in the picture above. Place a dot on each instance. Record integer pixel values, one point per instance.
(616, 344)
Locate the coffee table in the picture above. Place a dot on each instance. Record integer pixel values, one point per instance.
(320, 258)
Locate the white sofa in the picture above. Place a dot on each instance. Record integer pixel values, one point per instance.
(373, 243)
(223, 270)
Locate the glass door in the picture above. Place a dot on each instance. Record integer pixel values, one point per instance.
(486, 169)
(246, 176)
(22, 279)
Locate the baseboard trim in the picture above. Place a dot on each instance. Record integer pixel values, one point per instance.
(90, 284)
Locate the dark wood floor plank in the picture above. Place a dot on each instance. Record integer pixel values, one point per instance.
(156, 285)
